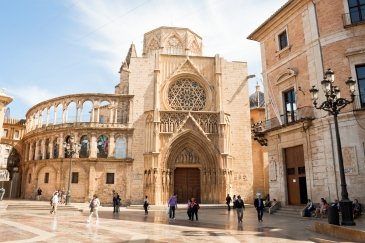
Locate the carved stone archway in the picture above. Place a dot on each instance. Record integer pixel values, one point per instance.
(193, 151)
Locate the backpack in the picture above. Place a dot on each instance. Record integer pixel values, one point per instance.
(93, 203)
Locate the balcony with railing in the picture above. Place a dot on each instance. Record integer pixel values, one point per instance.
(259, 129)
(303, 113)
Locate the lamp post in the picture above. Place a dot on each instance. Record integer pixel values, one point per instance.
(333, 104)
(71, 147)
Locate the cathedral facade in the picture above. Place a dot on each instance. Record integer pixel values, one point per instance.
(179, 122)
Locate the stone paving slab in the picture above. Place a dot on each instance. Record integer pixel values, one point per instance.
(131, 225)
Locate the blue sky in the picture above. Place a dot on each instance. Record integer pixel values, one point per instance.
(51, 48)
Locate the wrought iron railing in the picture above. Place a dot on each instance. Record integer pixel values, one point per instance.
(303, 113)
(259, 129)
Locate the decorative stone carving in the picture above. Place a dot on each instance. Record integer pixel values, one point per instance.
(187, 94)
(187, 156)
(350, 160)
(171, 121)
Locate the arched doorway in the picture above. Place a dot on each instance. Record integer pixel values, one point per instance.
(193, 161)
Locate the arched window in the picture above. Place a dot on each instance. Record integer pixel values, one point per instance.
(33, 151)
(87, 108)
(121, 148)
(47, 148)
(39, 150)
(55, 149)
(102, 146)
(85, 147)
(186, 94)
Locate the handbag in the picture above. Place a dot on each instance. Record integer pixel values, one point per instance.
(168, 210)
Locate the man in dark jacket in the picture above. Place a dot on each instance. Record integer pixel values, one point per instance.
(259, 205)
(239, 205)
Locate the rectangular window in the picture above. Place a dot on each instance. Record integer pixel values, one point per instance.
(290, 106)
(109, 178)
(5, 134)
(357, 10)
(283, 40)
(360, 75)
(16, 134)
(290, 171)
(75, 177)
(29, 178)
(301, 170)
(46, 177)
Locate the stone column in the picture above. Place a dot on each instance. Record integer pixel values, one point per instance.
(111, 146)
(43, 149)
(61, 151)
(50, 147)
(93, 148)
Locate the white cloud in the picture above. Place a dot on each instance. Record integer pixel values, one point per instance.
(111, 26)
(31, 95)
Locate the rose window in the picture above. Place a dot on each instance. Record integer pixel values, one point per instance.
(186, 94)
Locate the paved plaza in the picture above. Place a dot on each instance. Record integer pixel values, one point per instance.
(31, 224)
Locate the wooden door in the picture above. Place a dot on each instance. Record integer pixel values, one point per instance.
(187, 184)
(295, 169)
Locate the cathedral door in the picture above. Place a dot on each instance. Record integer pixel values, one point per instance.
(187, 184)
(295, 175)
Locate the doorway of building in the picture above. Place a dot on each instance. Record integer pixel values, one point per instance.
(295, 175)
(187, 184)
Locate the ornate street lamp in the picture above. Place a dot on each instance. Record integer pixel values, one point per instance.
(333, 104)
(71, 148)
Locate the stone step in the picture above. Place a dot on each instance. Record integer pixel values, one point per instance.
(291, 211)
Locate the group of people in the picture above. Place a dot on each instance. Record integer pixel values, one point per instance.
(320, 212)
(323, 208)
(192, 209)
(239, 205)
(117, 202)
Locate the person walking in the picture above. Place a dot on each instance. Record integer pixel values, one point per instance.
(172, 203)
(189, 208)
(239, 208)
(145, 205)
(39, 194)
(259, 205)
(54, 203)
(195, 208)
(228, 202)
(234, 201)
(94, 206)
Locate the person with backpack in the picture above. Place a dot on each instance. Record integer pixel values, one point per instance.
(94, 206)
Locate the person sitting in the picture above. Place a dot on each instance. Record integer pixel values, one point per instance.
(323, 207)
(356, 208)
(309, 208)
